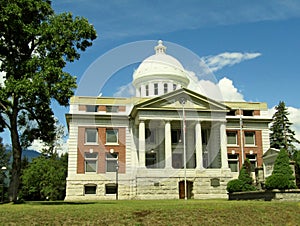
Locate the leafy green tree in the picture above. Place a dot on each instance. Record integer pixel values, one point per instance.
(45, 178)
(4, 162)
(282, 136)
(244, 181)
(282, 175)
(35, 45)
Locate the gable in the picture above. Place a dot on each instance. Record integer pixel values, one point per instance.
(193, 101)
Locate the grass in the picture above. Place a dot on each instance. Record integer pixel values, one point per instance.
(159, 212)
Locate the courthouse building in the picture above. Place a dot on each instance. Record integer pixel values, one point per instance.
(163, 140)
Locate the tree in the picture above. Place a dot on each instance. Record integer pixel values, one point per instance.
(35, 45)
(282, 136)
(45, 178)
(244, 181)
(4, 162)
(282, 175)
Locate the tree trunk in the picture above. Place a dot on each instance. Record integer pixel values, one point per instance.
(17, 157)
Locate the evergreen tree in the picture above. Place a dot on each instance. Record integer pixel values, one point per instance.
(4, 162)
(35, 46)
(282, 175)
(244, 181)
(282, 136)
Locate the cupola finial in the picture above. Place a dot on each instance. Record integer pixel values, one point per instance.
(160, 48)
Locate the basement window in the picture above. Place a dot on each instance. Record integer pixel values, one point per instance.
(90, 189)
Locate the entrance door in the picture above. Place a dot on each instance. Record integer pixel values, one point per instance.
(189, 185)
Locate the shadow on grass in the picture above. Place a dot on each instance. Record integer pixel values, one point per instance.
(63, 203)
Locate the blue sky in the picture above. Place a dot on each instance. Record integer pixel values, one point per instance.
(252, 47)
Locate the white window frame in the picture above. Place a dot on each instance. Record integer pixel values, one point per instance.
(95, 141)
(231, 144)
(254, 141)
(117, 136)
(91, 159)
(234, 160)
(109, 157)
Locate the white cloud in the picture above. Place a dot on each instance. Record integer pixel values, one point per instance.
(229, 91)
(129, 18)
(217, 62)
(125, 91)
(223, 90)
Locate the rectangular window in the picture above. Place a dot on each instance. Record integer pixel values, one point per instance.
(151, 159)
(110, 189)
(249, 138)
(91, 160)
(111, 162)
(155, 89)
(150, 136)
(111, 136)
(231, 113)
(90, 189)
(252, 159)
(248, 112)
(147, 90)
(91, 108)
(165, 88)
(91, 136)
(233, 162)
(176, 136)
(112, 109)
(231, 138)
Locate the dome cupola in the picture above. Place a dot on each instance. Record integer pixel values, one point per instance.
(159, 74)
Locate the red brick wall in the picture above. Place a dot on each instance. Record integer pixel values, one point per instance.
(101, 148)
(257, 149)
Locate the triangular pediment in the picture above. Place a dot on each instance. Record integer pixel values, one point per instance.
(174, 100)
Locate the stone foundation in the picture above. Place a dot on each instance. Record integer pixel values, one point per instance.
(152, 184)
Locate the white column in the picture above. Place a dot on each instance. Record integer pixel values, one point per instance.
(142, 146)
(224, 158)
(168, 145)
(198, 143)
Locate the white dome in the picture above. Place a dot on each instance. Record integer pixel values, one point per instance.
(160, 66)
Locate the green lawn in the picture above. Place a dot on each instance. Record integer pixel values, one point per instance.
(160, 212)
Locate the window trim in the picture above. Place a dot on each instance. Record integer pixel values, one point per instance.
(90, 159)
(117, 136)
(234, 160)
(86, 136)
(236, 138)
(112, 159)
(254, 139)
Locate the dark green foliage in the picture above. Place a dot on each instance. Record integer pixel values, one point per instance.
(45, 178)
(282, 175)
(281, 134)
(297, 168)
(244, 181)
(35, 46)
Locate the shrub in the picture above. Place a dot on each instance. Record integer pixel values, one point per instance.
(244, 181)
(282, 175)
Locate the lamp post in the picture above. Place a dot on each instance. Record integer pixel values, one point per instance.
(182, 102)
(117, 180)
(117, 174)
(3, 168)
